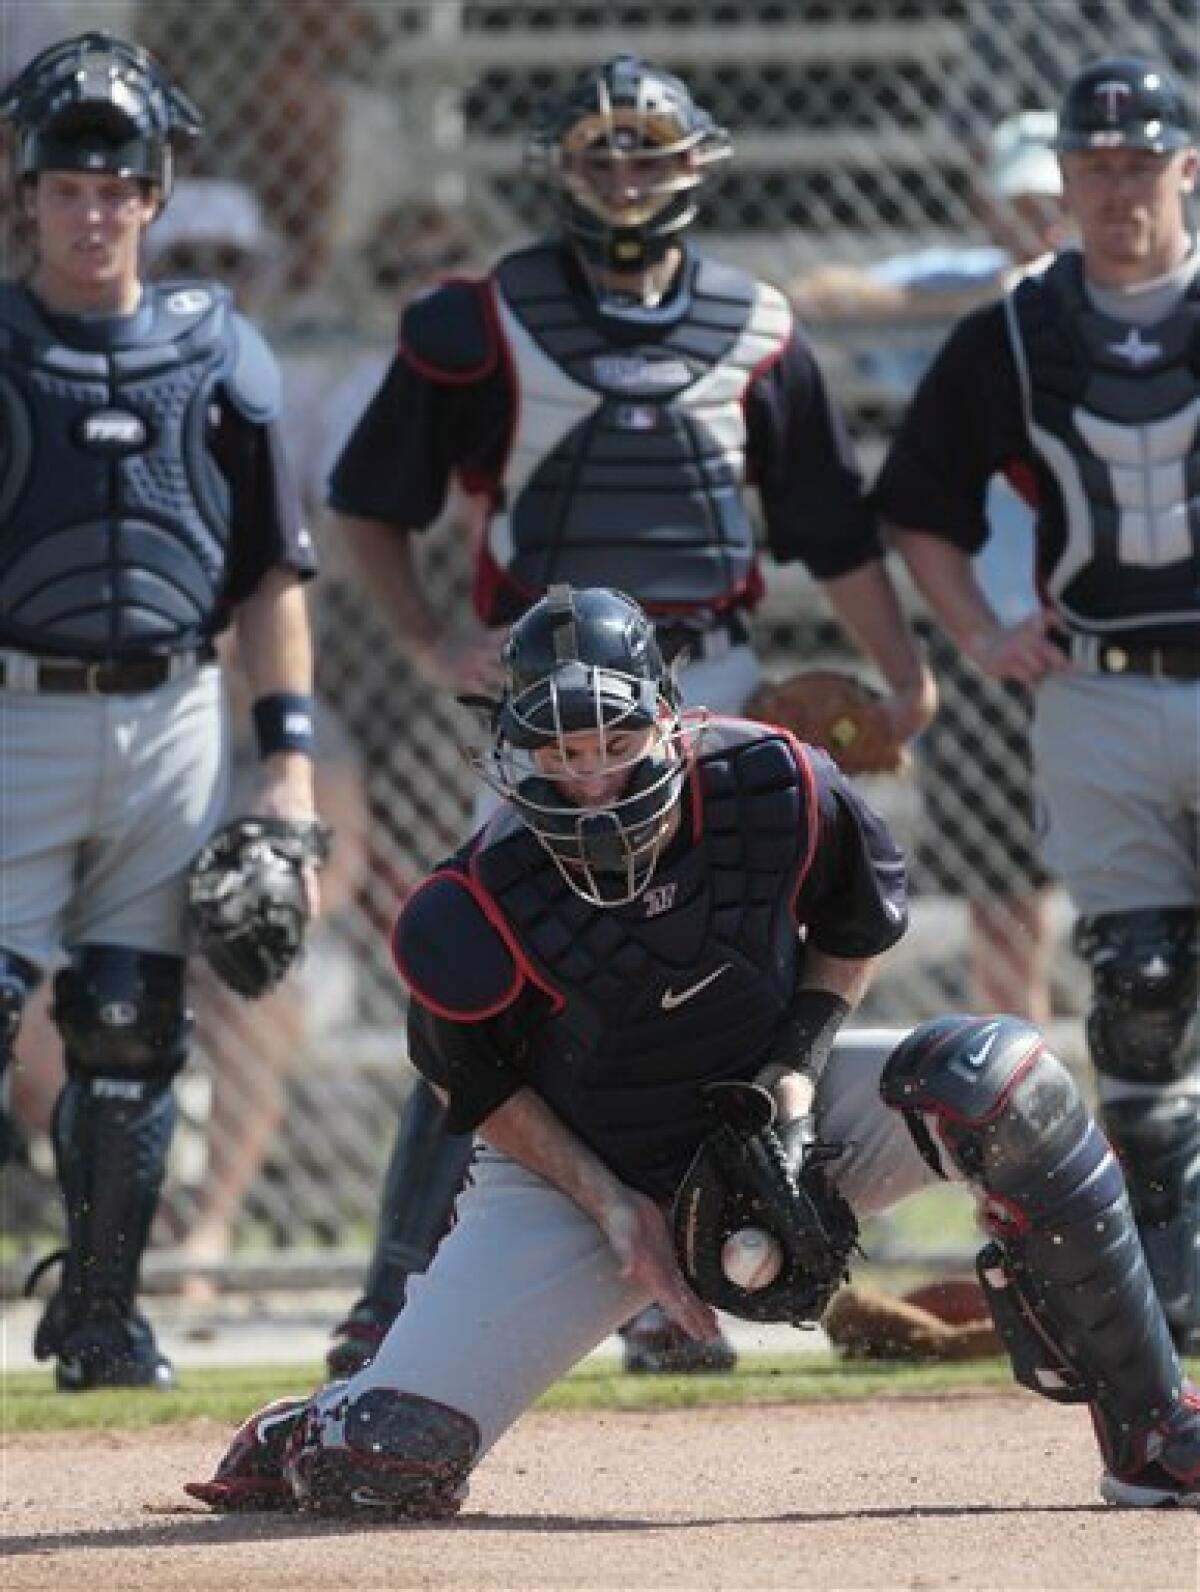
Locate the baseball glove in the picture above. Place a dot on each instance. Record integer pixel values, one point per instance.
(748, 1173)
(945, 1321)
(827, 708)
(246, 901)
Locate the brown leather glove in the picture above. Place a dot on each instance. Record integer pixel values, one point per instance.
(944, 1321)
(836, 711)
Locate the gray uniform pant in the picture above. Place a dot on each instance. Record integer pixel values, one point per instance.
(1117, 759)
(104, 802)
(525, 1285)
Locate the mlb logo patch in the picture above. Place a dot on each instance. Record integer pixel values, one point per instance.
(637, 417)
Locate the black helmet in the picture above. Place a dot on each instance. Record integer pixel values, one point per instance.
(96, 104)
(625, 151)
(589, 660)
(1124, 103)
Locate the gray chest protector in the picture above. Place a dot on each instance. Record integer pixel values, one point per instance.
(114, 518)
(628, 459)
(688, 984)
(1113, 412)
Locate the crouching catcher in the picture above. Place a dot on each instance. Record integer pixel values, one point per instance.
(631, 985)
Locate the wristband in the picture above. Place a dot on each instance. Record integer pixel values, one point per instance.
(808, 1031)
(284, 722)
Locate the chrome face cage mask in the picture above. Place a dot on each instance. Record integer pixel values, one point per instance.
(626, 232)
(607, 852)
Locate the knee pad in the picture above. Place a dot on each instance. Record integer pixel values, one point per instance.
(383, 1451)
(1145, 991)
(122, 1014)
(1066, 1281)
(1002, 1107)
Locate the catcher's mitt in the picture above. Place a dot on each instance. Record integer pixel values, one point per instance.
(945, 1321)
(827, 708)
(246, 900)
(745, 1174)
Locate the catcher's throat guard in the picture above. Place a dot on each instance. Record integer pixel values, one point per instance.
(746, 1174)
(247, 905)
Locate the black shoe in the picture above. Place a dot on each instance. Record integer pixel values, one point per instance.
(1166, 1471)
(655, 1346)
(356, 1340)
(112, 1350)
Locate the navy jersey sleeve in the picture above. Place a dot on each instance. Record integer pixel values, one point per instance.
(805, 466)
(854, 899)
(443, 409)
(265, 514)
(964, 425)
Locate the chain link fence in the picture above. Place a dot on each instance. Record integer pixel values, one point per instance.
(381, 144)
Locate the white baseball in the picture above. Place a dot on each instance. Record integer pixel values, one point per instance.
(751, 1258)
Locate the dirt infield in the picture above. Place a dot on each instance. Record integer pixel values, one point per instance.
(960, 1494)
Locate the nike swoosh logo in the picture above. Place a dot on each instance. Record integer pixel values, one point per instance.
(976, 1058)
(670, 1000)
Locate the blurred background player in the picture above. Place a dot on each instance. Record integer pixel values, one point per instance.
(1089, 404)
(607, 395)
(974, 765)
(134, 547)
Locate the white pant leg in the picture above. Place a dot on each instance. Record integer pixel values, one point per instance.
(522, 1288)
(881, 1164)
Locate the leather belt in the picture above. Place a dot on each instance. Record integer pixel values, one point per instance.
(1110, 657)
(699, 638)
(98, 676)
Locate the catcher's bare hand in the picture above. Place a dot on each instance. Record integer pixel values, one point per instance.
(637, 1232)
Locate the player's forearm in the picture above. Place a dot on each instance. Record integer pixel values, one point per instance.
(868, 606)
(275, 649)
(945, 576)
(382, 556)
(529, 1131)
(837, 984)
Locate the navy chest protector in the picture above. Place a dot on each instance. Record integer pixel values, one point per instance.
(114, 519)
(688, 984)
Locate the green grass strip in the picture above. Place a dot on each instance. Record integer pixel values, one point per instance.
(29, 1403)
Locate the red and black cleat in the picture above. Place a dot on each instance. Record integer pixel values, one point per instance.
(1163, 1472)
(250, 1476)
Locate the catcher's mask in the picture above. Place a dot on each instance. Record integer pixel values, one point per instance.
(1124, 102)
(96, 104)
(585, 667)
(625, 152)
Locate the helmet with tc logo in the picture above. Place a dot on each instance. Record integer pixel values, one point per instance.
(1124, 102)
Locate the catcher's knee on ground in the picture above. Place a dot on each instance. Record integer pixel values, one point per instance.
(381, 1452)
